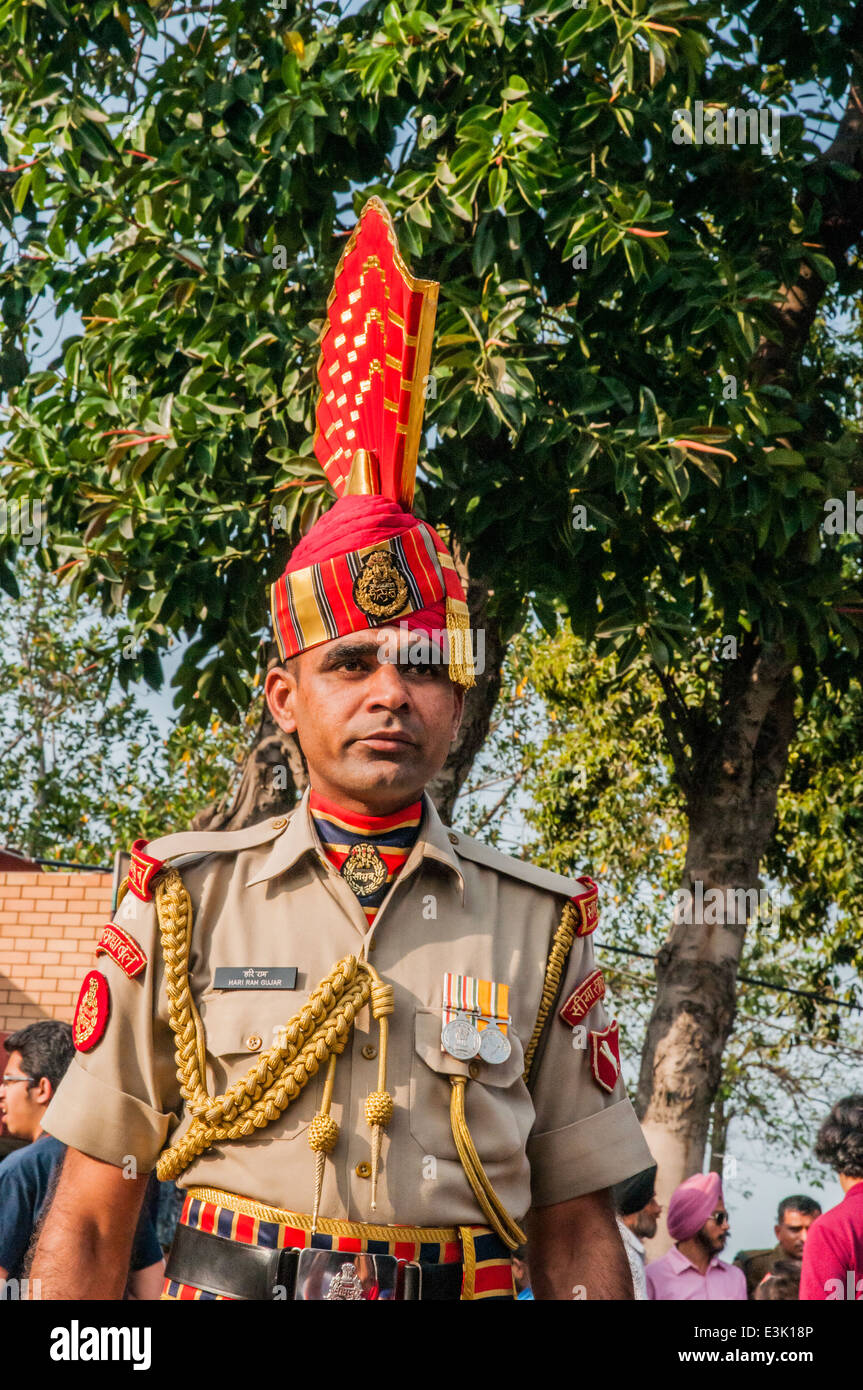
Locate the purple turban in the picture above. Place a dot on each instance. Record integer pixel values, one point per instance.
(692, 1203)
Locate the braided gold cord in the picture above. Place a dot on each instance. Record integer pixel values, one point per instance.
(320, 1030)
(490, 1204)
(560, 949)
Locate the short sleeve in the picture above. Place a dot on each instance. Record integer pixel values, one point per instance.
(584, 1137)
(120, 1100)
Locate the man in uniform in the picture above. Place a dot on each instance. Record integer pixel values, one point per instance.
(793, 1219)
(420, 1011)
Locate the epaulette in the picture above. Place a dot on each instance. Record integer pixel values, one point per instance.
(490, 858)
(149, 858)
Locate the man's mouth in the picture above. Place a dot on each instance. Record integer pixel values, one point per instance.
(387, 740)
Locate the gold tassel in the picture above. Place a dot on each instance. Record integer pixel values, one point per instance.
(323, 1137)
(461, 668)
(379, 1104)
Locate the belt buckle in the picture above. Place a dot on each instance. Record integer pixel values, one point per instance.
(337, 1276)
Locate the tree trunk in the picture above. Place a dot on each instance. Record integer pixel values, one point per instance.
(274, 776)
(731, 787)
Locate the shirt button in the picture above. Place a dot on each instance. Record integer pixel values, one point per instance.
(370, 1052)
(453, 839)
(279, 822)
(363, 1170)
(474, 1070)
(254, 1043)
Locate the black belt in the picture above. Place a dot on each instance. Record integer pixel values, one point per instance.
(218, 1265)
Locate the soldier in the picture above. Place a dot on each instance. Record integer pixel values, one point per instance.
(793, 1219)
(419, 1010)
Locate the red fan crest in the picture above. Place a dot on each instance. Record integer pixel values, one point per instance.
(374, 358)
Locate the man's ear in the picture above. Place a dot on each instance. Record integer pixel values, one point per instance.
(280, 688)
(42, 1092)
(458, 709)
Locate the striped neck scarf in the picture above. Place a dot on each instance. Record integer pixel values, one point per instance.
(390, 837)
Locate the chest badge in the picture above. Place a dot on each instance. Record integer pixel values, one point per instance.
(379, 589)
(364, 871)
(605, 1056)
(91, 1012)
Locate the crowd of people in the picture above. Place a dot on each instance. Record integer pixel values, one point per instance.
(817, 1256)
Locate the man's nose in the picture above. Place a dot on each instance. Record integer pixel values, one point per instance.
(388, 685)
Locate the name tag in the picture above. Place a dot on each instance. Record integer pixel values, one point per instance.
(255, 977)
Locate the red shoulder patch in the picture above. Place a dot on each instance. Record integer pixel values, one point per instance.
(605, 1056)
(141, 870)
(583, 998)
(122, 948)
(91, 1011)
(586, 905)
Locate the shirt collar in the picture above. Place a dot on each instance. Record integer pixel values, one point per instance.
(300, 838)
(679, 1262)
(630, 1238)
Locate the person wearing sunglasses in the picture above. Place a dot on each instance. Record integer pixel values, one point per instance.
(692, 1270)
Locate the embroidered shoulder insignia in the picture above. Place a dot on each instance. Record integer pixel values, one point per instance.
(605, 1056)
(583, 998)
(586, 905)
(122, 948)
(91, 1011)
(141, 870)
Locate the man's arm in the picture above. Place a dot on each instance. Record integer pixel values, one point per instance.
(85, 1240)
(576, 1246)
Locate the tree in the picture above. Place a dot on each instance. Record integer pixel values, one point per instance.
(581, 758)
(612, 432)
(85, 768)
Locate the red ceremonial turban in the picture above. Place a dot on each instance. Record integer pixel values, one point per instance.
(369, 561)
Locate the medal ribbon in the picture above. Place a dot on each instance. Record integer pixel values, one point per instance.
(484, 1000)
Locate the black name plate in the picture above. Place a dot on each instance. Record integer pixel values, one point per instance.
(255, 977)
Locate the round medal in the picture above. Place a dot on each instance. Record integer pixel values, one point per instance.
(364, 871)
(460, 1038)
(494, 1046)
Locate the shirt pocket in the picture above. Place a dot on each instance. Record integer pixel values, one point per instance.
(240, 1027)
(497, 1104)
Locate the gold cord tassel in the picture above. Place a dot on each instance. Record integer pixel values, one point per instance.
(380, 1105)
(460, 653)
(490, 1204)
(323, 1137)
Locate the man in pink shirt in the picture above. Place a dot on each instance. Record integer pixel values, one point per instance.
(692, 1271)
(833, 1254)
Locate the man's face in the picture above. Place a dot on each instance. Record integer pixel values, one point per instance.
(645, 1221)
(715, 1232)
(21, 1110)
(792, 1231)
(373, 730)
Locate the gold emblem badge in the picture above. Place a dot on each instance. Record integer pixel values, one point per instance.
(379, 589)
(364, 871)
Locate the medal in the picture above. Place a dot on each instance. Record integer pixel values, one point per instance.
(460, 1038)
(494, 1046)
(364, 871)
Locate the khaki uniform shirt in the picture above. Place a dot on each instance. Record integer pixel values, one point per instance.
(275, 900)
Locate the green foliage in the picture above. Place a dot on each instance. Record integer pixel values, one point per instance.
(85, 769)
(199, 251)
(576, 775)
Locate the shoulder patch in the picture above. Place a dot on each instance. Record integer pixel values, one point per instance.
(91, 1011)
(479, 853)
(122, 948)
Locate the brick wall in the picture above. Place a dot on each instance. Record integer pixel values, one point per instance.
(49, 926)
